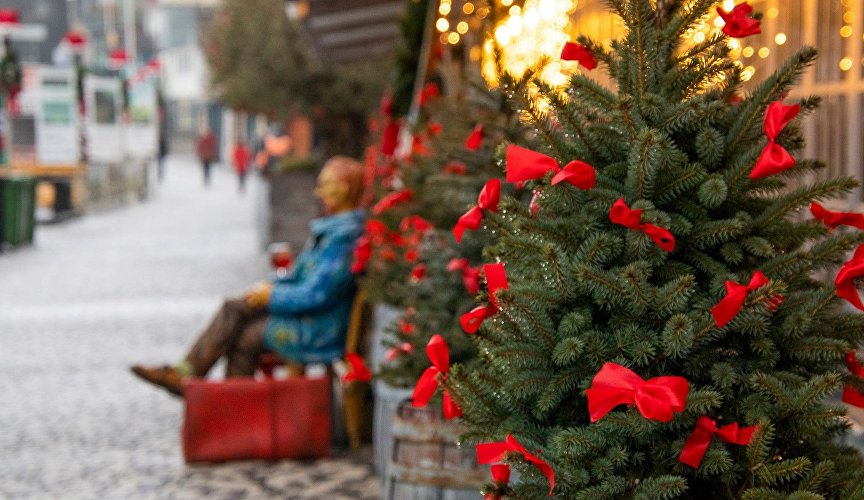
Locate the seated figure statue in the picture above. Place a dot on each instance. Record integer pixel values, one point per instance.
(302, 317)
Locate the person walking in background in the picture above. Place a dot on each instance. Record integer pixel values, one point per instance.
(206, 149)
(242, 156)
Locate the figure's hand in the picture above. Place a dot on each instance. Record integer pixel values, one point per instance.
(258, 295)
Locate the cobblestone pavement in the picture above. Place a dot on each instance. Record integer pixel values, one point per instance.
(100, 292)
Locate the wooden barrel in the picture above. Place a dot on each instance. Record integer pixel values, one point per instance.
(426, 461)
(387, 401)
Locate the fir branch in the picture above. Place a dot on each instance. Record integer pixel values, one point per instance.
(802, 196)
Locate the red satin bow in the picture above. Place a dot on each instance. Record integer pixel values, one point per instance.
(390, 137)
(470, 275)
(834, 219)
(455, 168)
(501, 478)
(845, 281)
(419, 272)
(488, 453)
(774, 159)
(657, 398)
(358, 371)
(852, 395)
(488, 199)
(706, 428)
(496, 279)
(430, 91)
(736, 294)
(632, 219)
(524, 164)
(391, 200)
(439, 355)
(738, 25)
(580, 53)
(472, 143)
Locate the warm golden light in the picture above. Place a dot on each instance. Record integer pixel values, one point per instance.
(719, 22)
(849, 17)
(514, 11)
(699, 37)
(468, 8)
(505, 3)
(747, 52)
(846, 31)
(442, 24)
(845, 64)
(453, 38)
(764, 52)
(728, 5)
(780, 38)
(772, 13)
(444, 8)
(747, 73)
(732, 43)
(462, 27)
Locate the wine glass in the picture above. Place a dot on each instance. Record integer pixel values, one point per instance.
(281, 257)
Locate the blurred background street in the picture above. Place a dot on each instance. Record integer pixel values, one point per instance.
(96, 294)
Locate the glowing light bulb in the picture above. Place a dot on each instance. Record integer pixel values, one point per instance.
(764, 52)
(444, 9)
(462, 27)
(772, 13)
(468, 8)
(728, 5)
(506, 3)
(733, 43)
(845, 64)
(515, 10)
(719, 22)
(846, 31)
(780, 38)
(442, 24)
(849, 17)
(699, 37)
(747, 73)
(453, 38)
(747, 52)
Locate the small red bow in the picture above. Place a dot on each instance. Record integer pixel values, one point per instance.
(657, 398)
(501, 478)
(738, 25)
(430, 91)
(736, 294)
(470, 275)
(455, 168)
(845, 281)
(472, 143)
(496, 279)
(391, 200)
(706, 428)
(524, 164)
(852, 395)
(488, 199)
(419, 147)
(419, 272)
(632, 219)
(358, 371)
(488, 453)
(834, 219)
(390, 137)
(362, 254)
(434, 128)
(403, 348)
(774, 159)
(416, 224)
(439, 355)
(580, 53)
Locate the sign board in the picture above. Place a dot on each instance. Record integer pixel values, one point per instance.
(103, 100)
(142, 130)
(58, 140)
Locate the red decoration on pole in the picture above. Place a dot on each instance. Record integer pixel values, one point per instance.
(852, 395)
(736, 294)
(706, 428)
(774, 158)
(117, 58)
(657, 398)
(834, 219)
(496, 279)
(524, 165)
(579, 53)
(472, 143)
(738, 25)
(845, 281)
(488, 453)
(358, 371)
(439, 355)
(488, 199)
(632, 219)
(9, 16)
(392, 200)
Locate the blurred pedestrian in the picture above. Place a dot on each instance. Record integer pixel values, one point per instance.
(206, 149)
(242, 156)
(163, 152)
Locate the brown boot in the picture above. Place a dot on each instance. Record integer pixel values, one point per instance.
(165, 377)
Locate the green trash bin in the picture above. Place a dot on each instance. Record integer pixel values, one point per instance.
(17, 209)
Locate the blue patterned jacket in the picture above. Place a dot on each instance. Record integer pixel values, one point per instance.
(309, 307)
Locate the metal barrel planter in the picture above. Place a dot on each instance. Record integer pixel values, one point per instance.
(426, 462)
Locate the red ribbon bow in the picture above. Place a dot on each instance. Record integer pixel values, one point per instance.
(362, 254)
(774, 159)
(392, 200)
(472, 143)
(657, 398)
(845, 281)
(524, 164)
(439, 355)
(488, 199)
(470, 275)
(430, 91)
(403, 348)
(579, 53)
(501, 478)
(738, 25)
(834, 219)
(736, 294)
(418, 272)
(496, 279)
(706, 428)
(358, 370)
(390, 137)
(455, 168)
(632, 219)
(488, 453)
(852, 395)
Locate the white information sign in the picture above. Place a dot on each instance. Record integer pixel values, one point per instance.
(58, 140)
(142, 132)
(103, 99)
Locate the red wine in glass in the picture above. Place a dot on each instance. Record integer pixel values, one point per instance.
(281, 257)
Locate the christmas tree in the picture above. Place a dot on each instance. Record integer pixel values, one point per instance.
(652, 325)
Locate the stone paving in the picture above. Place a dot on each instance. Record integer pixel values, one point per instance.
(134, 284)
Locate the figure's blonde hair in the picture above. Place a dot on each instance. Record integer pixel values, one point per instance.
(351, 171)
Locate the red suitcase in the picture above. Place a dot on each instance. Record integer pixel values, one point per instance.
(245, 418)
